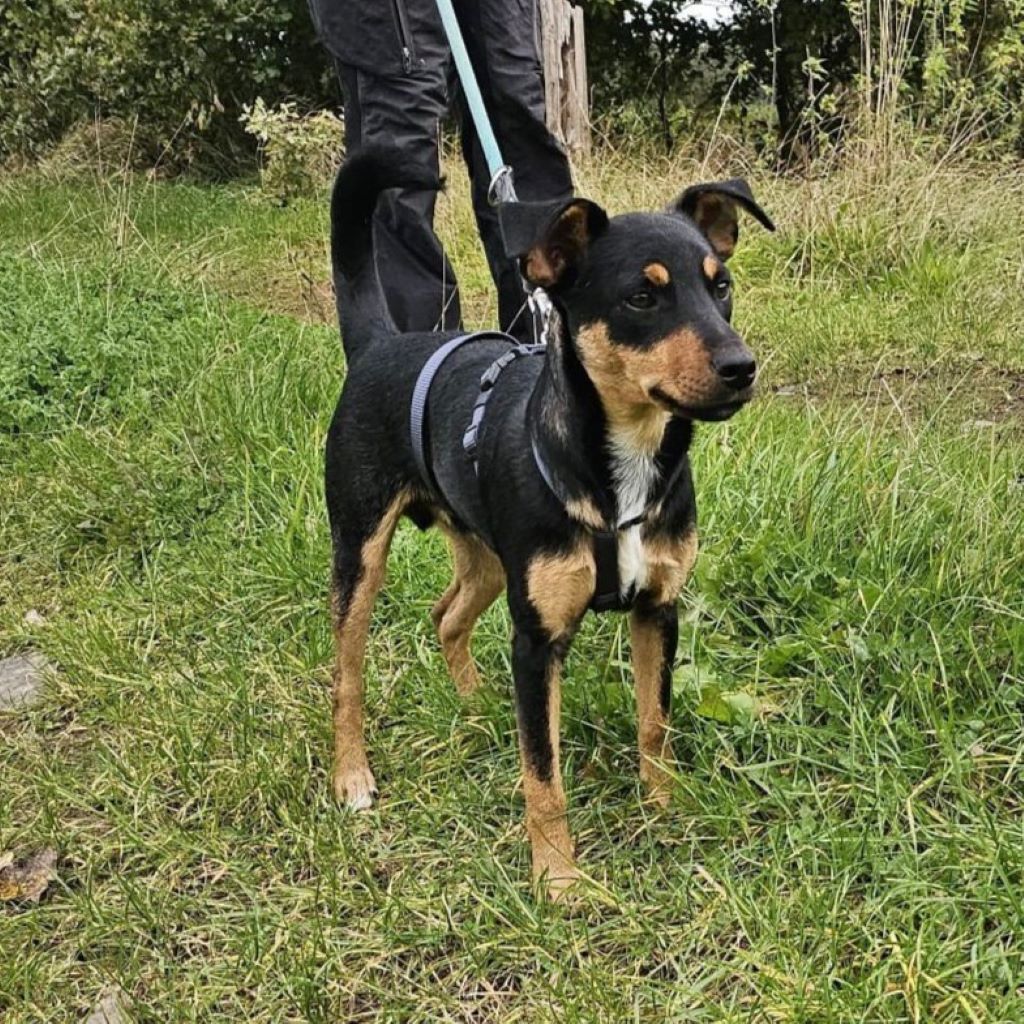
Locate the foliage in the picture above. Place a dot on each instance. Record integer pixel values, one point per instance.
(809, 70)
(793, 74)
(74, 365)
(796, 55)
(182, 69)
(645, 65)
(972, 73)
(297, 154)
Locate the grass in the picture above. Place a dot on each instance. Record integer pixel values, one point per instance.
(849, 848)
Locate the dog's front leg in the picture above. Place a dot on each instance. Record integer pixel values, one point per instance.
(547, 603)
(654, 634)
(537, 666)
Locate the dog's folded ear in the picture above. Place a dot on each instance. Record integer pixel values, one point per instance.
(550, 238)
(712, 207)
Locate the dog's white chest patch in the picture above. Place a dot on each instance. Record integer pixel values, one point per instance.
(632, 561)
(633, 475)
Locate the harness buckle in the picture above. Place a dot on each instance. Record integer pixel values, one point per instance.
(469, 439)
(490, 376)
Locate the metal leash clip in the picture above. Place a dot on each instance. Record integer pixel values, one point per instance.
(501, 189)
(542, 306)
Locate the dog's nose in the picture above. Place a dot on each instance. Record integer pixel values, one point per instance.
(738, 370)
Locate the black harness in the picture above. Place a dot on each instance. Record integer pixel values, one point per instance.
(607, 591)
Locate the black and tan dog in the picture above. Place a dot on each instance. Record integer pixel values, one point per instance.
(589, 440)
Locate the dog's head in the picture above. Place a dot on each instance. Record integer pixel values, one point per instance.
(648, 298)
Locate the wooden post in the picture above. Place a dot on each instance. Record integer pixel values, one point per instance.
(565, 74)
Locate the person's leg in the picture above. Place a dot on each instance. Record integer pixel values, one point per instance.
(502, 39)
(404, 112)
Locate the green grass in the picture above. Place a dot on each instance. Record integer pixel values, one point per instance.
(853, 851)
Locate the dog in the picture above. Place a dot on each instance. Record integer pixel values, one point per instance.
(581, 468)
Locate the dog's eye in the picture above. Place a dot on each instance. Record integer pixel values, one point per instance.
(722, 288)
(640, 300)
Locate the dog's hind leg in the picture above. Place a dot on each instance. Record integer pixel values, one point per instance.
(360, 555)
(479, 579)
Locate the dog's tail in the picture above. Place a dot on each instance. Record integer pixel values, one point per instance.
(362, 309)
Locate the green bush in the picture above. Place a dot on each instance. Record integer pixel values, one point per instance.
(298, 154)
(180, 69)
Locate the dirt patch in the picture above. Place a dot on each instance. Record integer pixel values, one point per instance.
(974, 394)
(298, 285)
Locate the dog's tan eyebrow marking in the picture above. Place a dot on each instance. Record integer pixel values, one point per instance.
(711, 266)
(657, 274)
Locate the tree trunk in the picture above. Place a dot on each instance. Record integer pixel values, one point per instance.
(565, 74)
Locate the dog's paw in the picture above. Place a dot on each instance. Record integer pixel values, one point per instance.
(657, 789)
(657, 782)
(554, 874)
(467, 682)
(558, 888)
(355, 788)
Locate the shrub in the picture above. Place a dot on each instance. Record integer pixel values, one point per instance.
(297, 154)
(181, 69)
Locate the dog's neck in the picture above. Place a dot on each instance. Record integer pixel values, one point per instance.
(610, 466)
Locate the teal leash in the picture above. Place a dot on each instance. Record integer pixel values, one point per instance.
(501, 189)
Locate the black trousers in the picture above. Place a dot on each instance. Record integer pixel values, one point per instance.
(396, 74)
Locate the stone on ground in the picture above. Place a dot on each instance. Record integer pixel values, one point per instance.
(21, 679)
(109, 1010)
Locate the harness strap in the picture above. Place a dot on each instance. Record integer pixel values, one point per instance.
(421, 393)
(607, 585)
(608, 594)
(555, 487)
(471, 438)
(549, 478)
